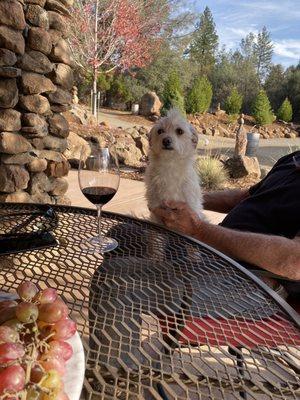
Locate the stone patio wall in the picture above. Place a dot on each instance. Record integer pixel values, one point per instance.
(36, 79)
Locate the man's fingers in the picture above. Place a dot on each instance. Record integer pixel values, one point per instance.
(175, 205)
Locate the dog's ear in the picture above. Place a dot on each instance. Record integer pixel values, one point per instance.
(195, 136)
(150, 134)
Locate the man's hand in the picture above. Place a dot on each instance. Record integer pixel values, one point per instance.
(179, 217)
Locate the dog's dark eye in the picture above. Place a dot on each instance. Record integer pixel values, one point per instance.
(160, 131)
(179, 131)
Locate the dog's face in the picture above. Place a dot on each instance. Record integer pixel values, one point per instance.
(173, 135)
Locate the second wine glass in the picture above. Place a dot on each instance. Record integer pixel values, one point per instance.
(99, 179)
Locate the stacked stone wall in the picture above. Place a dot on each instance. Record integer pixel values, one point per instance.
(36, 79)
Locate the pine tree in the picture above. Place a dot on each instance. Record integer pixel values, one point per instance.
(263, 52)
(285, 111)
(200, 96)
(204, 43)
(262, 111)
(234, 101)
(172, 96)
(275, 85)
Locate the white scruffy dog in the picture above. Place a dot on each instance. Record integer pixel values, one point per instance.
(171, 174)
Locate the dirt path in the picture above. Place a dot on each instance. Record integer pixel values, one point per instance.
(270, 150)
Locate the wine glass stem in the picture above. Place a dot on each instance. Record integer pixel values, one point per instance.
(99, 222)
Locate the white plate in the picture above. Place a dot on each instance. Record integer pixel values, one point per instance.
(75, 367)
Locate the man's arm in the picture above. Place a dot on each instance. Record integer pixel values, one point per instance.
(272, 253)
(224, 201)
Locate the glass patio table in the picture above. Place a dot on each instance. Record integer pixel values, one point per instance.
(161, 317)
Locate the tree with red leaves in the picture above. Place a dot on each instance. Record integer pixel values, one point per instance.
(106, 35)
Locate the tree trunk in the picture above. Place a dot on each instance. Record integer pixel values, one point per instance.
(95, 91)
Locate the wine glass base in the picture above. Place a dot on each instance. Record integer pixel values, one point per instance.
(95, 245)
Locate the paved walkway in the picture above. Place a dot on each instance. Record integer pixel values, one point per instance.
(129, 200)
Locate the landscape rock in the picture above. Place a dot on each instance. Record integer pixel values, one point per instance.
(62, 200)
(17, 197)
(60, 108)
(60, 96)
(17, 159)
(58, 126)
(55, 143)
(33, 83)
(7, 58)
(12, 143)
(40, 40)
(35, 131)
(56, 5)
(55, 36)
(35, 125)
(37, 16)
(150, 104)
(42, 198)
(63, 75)
(9, 94)
(35, 61)
(61, 53)
(50, 155)
(31, 119)
(58, 169)
(37, 165)
(9, 72)
(13, 178)
(243, 166)
(12, 40)
(58, 22)
(59, 186)
(37, 143)
(73, 151)
(35, 103)
(290, 135)
(10, 120)
(11, 14)
(39, 183)
(142, 143)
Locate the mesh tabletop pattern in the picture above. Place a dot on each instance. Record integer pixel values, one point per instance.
(162, 316)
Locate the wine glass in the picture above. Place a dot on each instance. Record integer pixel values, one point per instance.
(99, 179)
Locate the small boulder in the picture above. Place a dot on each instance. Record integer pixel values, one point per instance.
(35, 61)
(58, 22)
(35, 103)
(56, 5)
(58, 169)
(59, 186)
(37, 16)
(243, 166)
(18, 197)
(9, 93)
(150, 104)
(9, 72)
(37, 165)
(39, 183)
(12, 143)
(58, 126)
(33, 83)
(55, 143)
(73, 151)
(7, 58)
(10, 120)
(13, 178)
(12, 40)
(61, 53)
(11, 14)
(60, 97)
(40, 3)
(63, 76)
(17, 159)
(39, 39)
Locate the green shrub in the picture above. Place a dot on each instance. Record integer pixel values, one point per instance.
(211, 172)
(285, 111)
(262, 111)
(172, 96)
(233, 103)
(119, 90)
(200, 96)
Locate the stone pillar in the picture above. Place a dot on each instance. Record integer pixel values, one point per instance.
(241, 138)
(36, 78)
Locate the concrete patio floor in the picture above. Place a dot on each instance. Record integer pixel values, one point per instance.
(129, 200)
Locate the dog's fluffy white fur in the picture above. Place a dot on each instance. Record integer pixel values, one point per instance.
(171, 174)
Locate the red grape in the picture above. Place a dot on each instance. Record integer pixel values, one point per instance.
(8, 334)
(37, 374)
(63, 329)
(27, 312)
(10, 352)
(7, 313)
(12, 378)
(60, 349)
(54, 364)
(27, 291)
(53, 312)
(48, 295)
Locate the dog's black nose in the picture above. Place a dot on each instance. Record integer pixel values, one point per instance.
(167, 142)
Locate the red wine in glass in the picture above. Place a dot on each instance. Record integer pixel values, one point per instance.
(99, 179)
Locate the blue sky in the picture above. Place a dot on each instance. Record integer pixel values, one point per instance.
(236, 18)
